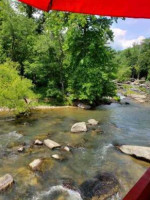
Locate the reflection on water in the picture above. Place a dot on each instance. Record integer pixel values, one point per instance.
(92, 151)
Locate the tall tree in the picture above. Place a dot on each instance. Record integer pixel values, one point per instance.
(89, 61)
(17, 35)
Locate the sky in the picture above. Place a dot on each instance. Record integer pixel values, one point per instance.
(130, 31)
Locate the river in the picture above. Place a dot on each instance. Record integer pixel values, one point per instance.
(92, 152)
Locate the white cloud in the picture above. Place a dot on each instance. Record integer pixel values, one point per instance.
(121, 41)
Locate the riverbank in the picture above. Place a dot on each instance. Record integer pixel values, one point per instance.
(139, 91)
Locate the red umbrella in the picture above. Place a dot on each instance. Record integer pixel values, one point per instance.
(114, 8)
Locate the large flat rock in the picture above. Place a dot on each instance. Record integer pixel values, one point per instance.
(5, 182)
(51, 144)
(139, 152)
(79, 127)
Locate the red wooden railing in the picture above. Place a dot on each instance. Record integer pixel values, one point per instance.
(141, 190)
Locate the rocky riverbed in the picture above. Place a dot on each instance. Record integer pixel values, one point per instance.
(61, 153)
(137, 90)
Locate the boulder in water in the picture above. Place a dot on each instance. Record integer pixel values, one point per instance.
(51, 144)
(66, 148)
(79, 127)
(92, 122)
(100, 187)
(139, 152)
(36, 164)
(21, 149)
(38, 142)
(5, 182)
(69, 184)
(58, 157)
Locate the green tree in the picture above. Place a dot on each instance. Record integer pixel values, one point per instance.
(89, 59)
(14, 90)
(137, 59)
(17, 34)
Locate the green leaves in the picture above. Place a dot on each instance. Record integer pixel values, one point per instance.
(14, 90)
(134, 62)
(90, 66)
(65, 55)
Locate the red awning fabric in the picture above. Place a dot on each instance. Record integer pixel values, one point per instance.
(113, 8)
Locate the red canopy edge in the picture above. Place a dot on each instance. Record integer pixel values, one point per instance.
(113, 8)
(141, 190)
(40, 4)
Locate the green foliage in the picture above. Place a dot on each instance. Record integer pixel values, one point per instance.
(66, 56)
(14, 90)
(17, 34)
(124, 74)
(134, 62)
(89, 61)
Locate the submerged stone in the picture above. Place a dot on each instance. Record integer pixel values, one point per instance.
(58, 157)
(79, 127)
(21, 149)
(38, 142)
(5, 182)
(70, 184)
(93, 122)
(100, 187)
(35, 165)
(51, 144)
(27, 177)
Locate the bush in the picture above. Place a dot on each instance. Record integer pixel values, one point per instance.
(14, 89)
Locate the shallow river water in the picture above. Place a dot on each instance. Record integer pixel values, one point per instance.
(92, 152)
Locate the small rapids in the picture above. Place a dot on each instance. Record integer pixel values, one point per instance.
(115, 197)
(15, 135)
(104, 150)
(58, 191)
(9, 137)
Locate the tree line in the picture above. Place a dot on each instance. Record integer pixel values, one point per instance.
(134, 62)
(61, 57)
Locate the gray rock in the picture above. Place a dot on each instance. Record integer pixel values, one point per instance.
(5, 182)
(136, 151)
(93, 122)
(51, 144)
(66, 149)
(58, 157)
(38, 142)
(79, 127)
(101, 187)
(35, 165)
(21, 149)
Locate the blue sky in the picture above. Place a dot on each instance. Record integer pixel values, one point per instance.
(130, 31)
